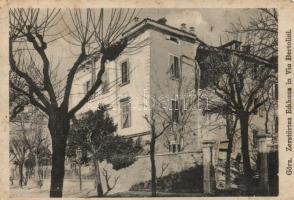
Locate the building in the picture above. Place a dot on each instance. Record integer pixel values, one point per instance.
(160, 66)
(141, 79)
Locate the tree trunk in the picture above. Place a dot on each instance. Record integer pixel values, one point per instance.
(21, 175)
(37, 177)
(98, 178)
(80, 176)
(266, 121)
(228, 163)
(244, 119)
(153, 167)
(58, 128)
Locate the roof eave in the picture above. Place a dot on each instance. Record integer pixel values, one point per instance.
(142, 24)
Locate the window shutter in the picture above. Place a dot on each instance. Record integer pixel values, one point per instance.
(254, 104)
(176, 67)
(175, 111)
(171, 65)
(125, 72)
(126, 113)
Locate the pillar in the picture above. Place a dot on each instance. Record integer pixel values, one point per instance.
(209, 184)
(262, 142)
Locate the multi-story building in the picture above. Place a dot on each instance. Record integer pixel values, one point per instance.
(158, 72)
(148, 75)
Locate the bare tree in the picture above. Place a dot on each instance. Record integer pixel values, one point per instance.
(19, 153)
(241, 83)
(220, 109)
(156, 131)
(30, 35)
(17, 101)
(173, 108)
(37, 142)
(231, 123)
(270, 108)
(164, 167)
(28, 143)
(178, 101)
(107, 178)
(261, 33)
(94, 132)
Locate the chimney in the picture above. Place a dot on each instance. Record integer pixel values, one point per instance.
(136, 19)
(246, 48)
(183, 27)
(162, 20)
(192, 29)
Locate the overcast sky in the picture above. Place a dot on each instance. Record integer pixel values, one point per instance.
(210, 25)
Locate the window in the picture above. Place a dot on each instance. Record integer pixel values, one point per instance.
(179, 147)
(172, 147)
(87, 86)
(173, 39)
(255, 102)
(125, 106)
(175, 147)
(175, 111)
(124, 72)
(174, 66)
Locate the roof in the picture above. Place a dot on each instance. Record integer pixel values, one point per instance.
(204, 49)
(231, 43)
(145, 24)
(148, 23)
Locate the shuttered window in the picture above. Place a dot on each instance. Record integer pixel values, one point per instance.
(125, 113)
(124, 72)
(175, 111)
(174, 66)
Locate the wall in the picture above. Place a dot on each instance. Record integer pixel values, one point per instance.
(140, 170)
(139, 62)
(164, 88)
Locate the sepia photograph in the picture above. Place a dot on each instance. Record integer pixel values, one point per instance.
(143, 102)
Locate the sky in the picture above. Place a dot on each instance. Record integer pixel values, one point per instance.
(210, 27)
(210, 24)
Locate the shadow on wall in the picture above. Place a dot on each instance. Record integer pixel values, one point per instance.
(186, 181)
(140, 170)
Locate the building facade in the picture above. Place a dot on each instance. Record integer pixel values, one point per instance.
(158, 72)
(155, 73)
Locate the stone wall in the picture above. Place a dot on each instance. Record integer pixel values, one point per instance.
(140, 170)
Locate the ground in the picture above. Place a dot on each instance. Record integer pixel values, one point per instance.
(71, 189)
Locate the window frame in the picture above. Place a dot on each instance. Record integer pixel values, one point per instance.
(126, 102)
(128, 72)
(173, 39)
(175, 112)
(175, 146)
(174, 76)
